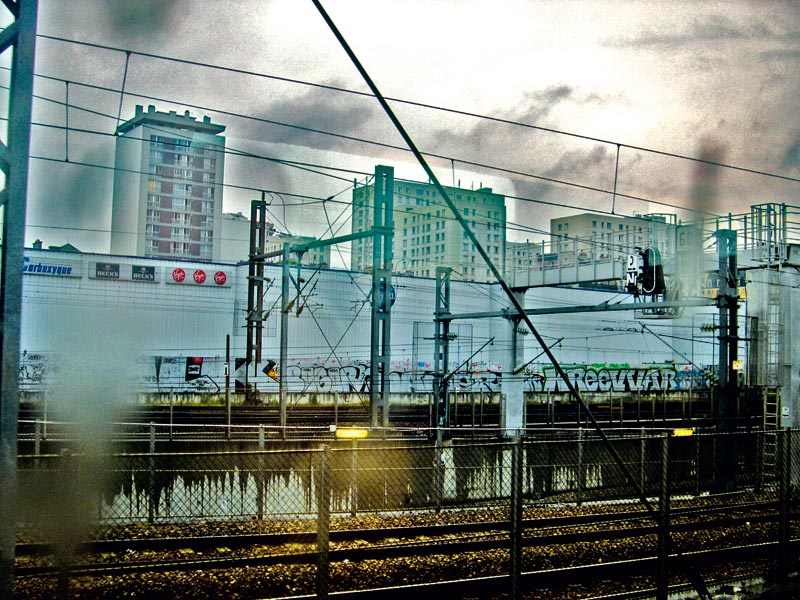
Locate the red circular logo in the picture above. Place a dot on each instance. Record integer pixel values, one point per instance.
(199, 276)
(220, 278)
(179, 275)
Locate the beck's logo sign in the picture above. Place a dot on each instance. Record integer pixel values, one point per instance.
(106, 271)
(139, 273)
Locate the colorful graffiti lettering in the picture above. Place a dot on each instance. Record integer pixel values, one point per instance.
(611, 379)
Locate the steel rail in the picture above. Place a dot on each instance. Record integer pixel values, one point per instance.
(342, 535)
(488, 586)
(476, 586)
(375, 552)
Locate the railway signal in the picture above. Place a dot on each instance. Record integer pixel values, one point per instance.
(645, 273)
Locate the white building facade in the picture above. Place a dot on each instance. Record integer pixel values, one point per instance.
(168, 175)
(134, 322)
(427, 235)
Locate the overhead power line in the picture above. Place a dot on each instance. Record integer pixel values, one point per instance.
(459, 160)
(418, 104)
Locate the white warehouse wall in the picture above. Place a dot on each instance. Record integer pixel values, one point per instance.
(159, 323)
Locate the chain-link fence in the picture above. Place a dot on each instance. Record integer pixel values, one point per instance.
(661, 473)
(212, 481)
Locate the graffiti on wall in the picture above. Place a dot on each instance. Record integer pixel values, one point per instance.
(617, 378)
(33, 369)
(167, 374)
(348, 376)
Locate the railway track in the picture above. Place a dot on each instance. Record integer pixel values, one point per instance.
(226, 551)
(464, 415)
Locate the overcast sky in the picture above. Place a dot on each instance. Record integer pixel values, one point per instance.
(638, 75)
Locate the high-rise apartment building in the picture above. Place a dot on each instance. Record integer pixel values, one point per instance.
(427, 235)
(168, 186)
(521, 256)
(591, 234)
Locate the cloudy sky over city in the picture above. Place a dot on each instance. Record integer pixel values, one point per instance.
(582, 97)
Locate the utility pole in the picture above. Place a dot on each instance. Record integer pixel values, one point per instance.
(20, 38)
(728, 304)
(728, 389)
(228, 383)
(382, 292)
(441, 354)
(284, 342)
(255, 290)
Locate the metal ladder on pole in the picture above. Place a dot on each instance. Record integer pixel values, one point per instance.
(772, 392)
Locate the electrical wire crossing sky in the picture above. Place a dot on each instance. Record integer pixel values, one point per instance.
(562, 107)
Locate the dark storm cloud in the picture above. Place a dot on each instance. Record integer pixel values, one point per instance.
(74, 199)
(538, 151)
(569, 173)
(143, 18)
(323, 120)
(483, 139)
(791, 155)
(570, 164)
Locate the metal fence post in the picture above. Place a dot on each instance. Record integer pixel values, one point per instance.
(151, 488)
(438, 470)
(63, 549)
(698, 470)
(354, 479)
(760, 459)
(516, 520)
(171, 406)
(37, 441)
(784, 501)
(662, 578)
(323, 522)
(579, 475)
(260, 474)
(642, 462)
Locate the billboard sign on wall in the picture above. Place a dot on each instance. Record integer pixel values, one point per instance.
(52, 267)
(141, 273)
(106, 270)
(122, 272)
(206, 277)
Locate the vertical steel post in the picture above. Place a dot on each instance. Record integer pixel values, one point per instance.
(260, 475)
(516, 519)
(354, 480)
(255, 290)
(151, 476)
(727, 301)
(228, 383)
(642, 459)
(284, 342)
(20, 36)
(698, 470)
(784, 502)
(438, 470)
(323, 522)
(441, 349)
(662, 578)
(251, 286)
(580, 469)
(382, 292)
